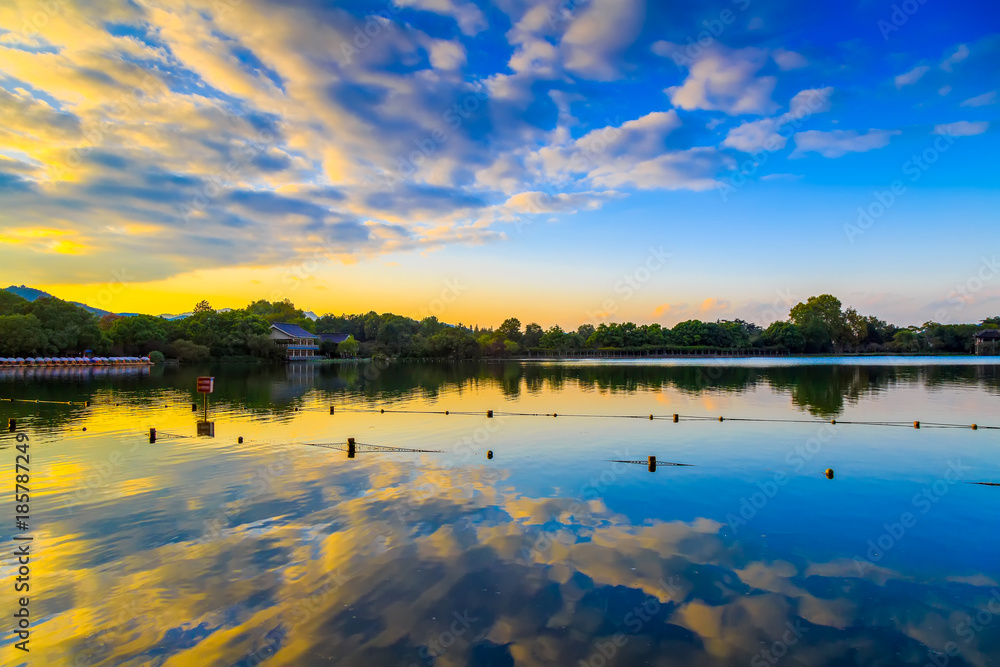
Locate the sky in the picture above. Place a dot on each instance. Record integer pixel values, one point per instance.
(561, 162)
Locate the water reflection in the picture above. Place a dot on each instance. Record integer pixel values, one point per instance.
(369, 567)
(216, 552)
(820, 390)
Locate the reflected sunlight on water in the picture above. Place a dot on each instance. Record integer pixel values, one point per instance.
(198, 550)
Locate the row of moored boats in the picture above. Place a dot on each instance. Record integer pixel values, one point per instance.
(72, 361)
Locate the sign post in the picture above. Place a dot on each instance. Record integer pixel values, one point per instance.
(206, 385)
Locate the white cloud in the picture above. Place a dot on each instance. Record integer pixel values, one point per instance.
(983, 100)
(960, 54)
(911, 77)
(787, 60)
(693, 169)
(754, 136)
(596, 38)
(962, 128)
(837, 143)
(535, 202)
(446, 55)
(944, 90)
(470, 20)
(764, 134)
(725, 80)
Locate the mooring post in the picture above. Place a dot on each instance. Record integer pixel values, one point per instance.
(11, 424)
(194, 407)
(677, 418)
(916, 424)
(350, 448)
(489, 414)
(652, 464)
(331, 409)
(152, 435)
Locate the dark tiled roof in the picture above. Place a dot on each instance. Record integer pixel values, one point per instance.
(988, 334)
(334, 337)
(293, 330)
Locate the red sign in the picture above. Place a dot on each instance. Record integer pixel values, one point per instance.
(206, 385)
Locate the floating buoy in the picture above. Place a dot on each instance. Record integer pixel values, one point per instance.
(652, 464)
(676, 418)
(383, 410)
(829, 473)
(445, 413)
(489, 454)
(84, 428)
(331, 409)
(489, 414)
(240, 439)
(650, 417)
(194, 407)
(722, 419)
(975, 427)
(833, 421)
(916, 424)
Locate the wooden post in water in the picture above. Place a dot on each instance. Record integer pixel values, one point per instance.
(11, 424)
(652, 464)
(350, 448)
(152, 435)
(331, 409)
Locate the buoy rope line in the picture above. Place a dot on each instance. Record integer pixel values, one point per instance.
(657, 463)
(365, 447)
(35, 400)
(673, 417)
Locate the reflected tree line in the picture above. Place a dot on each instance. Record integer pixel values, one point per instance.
(821, 391)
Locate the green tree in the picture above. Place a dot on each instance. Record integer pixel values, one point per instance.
(784, 335)
(821, 321)
(203, 306)
(348, 348)
(22, 336)
(511, 329)
(533, 335)
(554, 339)
(855, 328)
(691, 332)
(189, 352)
(137, 334)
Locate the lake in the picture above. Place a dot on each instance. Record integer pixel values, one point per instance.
(521, 539)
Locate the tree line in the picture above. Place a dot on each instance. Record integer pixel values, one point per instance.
(51, 327)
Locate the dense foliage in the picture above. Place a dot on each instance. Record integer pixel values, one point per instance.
(48, 326)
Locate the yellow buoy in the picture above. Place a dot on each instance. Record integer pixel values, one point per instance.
(829, 473)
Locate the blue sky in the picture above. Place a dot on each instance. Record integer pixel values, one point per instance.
(477, 160)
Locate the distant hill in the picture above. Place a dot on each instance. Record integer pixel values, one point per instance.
(189, 314)
(30, 293)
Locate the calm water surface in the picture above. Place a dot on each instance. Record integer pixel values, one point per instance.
(203, 551)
